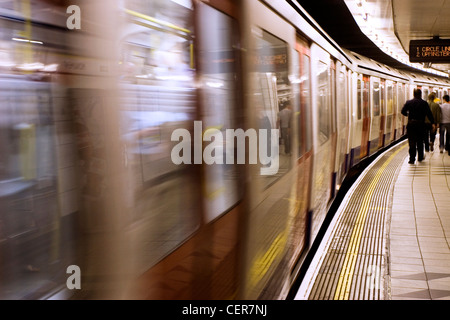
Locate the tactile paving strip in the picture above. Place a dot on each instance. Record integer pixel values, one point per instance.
(354, 263)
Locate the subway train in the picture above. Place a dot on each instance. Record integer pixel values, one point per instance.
(135, 150)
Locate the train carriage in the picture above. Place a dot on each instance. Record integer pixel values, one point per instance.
(157, 159)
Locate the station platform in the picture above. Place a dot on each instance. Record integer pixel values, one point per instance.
(389, 239)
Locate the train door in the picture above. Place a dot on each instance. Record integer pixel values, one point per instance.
(365, 116)
(220, 103)
(389, 136)
(323, 133)
(404, 119)
(32, 177)
(349, 107)
(272, 187)
(425, 92)
(163, 195)
(342, 122)
(381, 142)
(356, 117)
(375, 115)
(395, 111)
(38, 159)
(440, 94)
(302, 92)
(188, 236)
(401, 103)
(334, 132)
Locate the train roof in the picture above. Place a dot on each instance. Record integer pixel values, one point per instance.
(369, 66)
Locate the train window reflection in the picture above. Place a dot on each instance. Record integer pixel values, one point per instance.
(366, 93)
(402, 95)
(219, 62)
(390, 98)
(343, 118)
(306, 98)
(425, 94)
(323, 104)
(394, 97)
(28, 187)
(383, 98)
(359, 100)
(273, 95)
(158, 96)
(376, 99)
(303, 97)
(37, 188)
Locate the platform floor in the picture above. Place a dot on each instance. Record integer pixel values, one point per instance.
(390, 237)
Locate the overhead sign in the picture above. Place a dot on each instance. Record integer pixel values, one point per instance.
(435, 50)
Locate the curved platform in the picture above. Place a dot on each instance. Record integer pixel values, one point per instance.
(390, 237)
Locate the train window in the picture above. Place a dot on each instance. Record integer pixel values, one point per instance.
(359, 100)
(323, 101)
(425, 94)
(28, 185)
(33, 183)
(272, 93)
(376, 99)
(365, 96)
(158, 96)
(390, 98)
(333, 97)
(299, 112)
(402, 95)
(340, 101)
(219, 100)
(394, 97)
(306, 98)
(9, 140)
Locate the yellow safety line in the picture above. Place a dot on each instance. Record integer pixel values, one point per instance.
(346, 275)
(262, 262)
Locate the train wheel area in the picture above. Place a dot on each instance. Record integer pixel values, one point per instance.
(389, 239)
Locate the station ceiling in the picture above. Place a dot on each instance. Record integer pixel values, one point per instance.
(404, 20)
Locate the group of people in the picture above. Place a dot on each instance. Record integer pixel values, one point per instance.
(424, 118)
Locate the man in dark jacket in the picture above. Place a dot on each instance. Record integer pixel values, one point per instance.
(416, 110)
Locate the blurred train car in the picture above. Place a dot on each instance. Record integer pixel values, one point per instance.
(36, 181)
(116, 154)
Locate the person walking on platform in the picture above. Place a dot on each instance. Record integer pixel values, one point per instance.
(416, 110)
(444, 130)
(430, 134)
